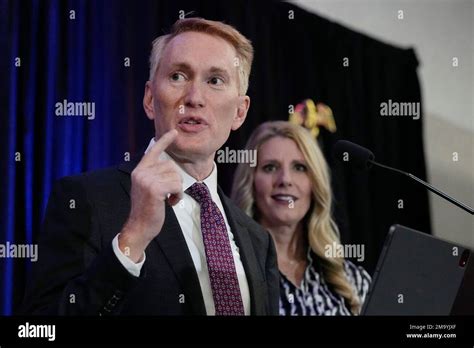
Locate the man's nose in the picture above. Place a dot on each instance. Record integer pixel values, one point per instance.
(194, 96)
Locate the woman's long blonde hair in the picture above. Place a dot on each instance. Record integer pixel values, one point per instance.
(321, 228)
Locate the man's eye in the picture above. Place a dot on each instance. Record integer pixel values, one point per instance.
(216, 81)
(268, 168)
(301, 167)
(178, 77)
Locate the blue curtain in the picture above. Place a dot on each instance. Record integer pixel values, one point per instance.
(97, 52)
(56, 51)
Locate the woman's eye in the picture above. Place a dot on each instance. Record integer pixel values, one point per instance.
(301, 167)
(177, 77)
(216, 81)
(269, 168)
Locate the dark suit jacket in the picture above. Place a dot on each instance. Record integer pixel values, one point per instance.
(77, 272)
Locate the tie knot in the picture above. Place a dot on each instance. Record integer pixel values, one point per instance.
(200, 192)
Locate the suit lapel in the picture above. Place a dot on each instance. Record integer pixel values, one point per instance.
(173, 245)
(253, 271)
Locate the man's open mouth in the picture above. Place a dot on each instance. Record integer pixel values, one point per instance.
(192, 124)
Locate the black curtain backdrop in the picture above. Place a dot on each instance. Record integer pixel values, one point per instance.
(299, 55)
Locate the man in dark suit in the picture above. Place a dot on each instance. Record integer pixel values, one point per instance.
(157, 235)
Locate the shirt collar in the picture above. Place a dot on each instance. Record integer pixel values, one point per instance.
(188, 180)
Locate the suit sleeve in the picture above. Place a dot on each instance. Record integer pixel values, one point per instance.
(273, 278)
(74, 274)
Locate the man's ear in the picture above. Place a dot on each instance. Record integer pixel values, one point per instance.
(148, 100)
(242, 109)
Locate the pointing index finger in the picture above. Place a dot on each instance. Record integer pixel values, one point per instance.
(160, 146)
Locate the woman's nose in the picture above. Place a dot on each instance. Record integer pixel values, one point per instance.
(284, 178)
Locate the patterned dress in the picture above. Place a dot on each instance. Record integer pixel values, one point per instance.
(314, 296)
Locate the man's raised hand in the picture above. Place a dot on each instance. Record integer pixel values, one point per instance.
(153, 181)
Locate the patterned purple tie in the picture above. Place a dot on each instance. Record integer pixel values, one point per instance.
(220, 262)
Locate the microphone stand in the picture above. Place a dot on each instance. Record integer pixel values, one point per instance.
(428, 186)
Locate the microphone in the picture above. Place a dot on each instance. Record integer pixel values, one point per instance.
(362, 158)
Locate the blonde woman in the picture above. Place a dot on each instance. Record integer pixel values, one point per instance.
(289, 194)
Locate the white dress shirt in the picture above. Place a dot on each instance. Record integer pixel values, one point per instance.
(188, 213)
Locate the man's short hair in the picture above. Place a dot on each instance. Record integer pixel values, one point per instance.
(242, 45)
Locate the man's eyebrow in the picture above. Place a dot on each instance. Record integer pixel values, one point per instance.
(213, 69)
(216, 70)
(181, 66)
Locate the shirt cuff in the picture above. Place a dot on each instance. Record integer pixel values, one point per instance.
(132, 267)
